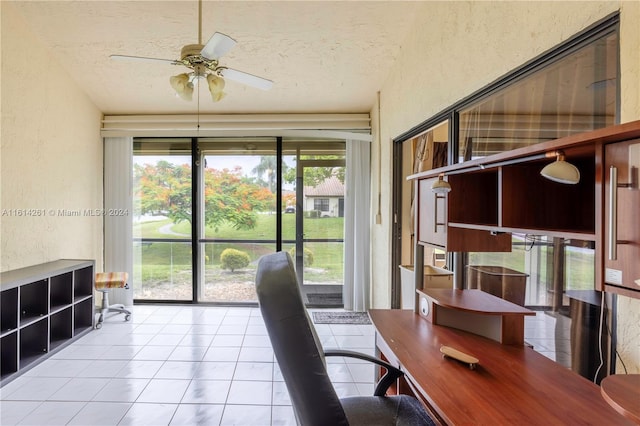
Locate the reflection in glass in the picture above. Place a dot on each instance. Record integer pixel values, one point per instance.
(536, 257)
(573, 95)
(560, 277)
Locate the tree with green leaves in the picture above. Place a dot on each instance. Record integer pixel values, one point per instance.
(314, 176)
(230, 197)
(266, 167)
(266, 171)
(233, 198)
(163, 189)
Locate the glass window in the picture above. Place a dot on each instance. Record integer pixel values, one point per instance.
(313, 183)
(575, 94)
(572, 89)
(321, 204)
(426, 151)
(552, 275)
(238, 183)
(162, 261)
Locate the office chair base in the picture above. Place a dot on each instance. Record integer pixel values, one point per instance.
(105, 308)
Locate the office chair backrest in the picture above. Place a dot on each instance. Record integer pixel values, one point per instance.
(295, 343)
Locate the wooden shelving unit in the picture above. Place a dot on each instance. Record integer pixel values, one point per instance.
(495, 196)
(42, 309)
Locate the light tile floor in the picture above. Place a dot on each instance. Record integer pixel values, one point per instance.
(550, 334)
(195, 365)
(175, 365)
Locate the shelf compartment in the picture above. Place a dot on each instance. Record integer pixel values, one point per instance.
(61, 327)
(8, 310)
(9, 354)
(83, 282)
(474, 198)
(60, 290)
(83, 314)
(529, 201)
(34, 301)
(33, 342)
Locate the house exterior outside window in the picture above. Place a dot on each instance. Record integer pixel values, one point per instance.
(326, 198)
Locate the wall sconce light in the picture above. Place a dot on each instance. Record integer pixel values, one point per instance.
(441, 186)
(560, 171)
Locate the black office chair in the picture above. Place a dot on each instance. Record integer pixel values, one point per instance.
(301, 360)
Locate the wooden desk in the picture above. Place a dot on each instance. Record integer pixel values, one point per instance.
(512, 385)
(622, 391)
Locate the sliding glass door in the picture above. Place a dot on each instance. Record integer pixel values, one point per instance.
(317, 171)
(238, 215)
(207, 209)
(162, 201)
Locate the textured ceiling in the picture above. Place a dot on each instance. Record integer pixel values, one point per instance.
(322, 56)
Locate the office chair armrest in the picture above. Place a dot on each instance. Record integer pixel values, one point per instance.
(392, 374)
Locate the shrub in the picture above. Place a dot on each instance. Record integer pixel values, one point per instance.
(308, 256)
(312, 214)
(234, 259)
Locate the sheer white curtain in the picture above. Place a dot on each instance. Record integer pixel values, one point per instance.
(357, 227)
(118, 227)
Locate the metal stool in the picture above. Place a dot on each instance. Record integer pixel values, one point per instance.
(105, 281)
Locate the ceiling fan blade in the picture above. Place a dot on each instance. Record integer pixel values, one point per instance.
(141, 58)
(246, 78)
(217, 46)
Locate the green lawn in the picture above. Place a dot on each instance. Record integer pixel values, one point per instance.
(152, 229)
(158, 261)
(329, 227)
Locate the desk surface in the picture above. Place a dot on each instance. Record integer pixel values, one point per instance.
(511, 385)
(475, 301)
(622, 391)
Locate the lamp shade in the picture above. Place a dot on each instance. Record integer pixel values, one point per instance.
(216, 87)
(183, 87)
(441, 186)
(562, 172)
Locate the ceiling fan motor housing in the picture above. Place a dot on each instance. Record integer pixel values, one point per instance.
(191, 50)
(191, 56)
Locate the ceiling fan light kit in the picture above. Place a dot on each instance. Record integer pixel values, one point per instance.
(216, 87)
(203, 61)
(182, 85)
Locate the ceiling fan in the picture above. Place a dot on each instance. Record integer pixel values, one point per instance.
(203, 61)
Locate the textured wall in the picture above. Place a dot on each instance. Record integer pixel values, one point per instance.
(628, 335)
(51, 157)
(456, 48)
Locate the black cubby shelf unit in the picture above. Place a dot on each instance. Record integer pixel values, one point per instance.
(43, 308)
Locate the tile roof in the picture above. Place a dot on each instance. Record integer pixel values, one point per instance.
(330, 187)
